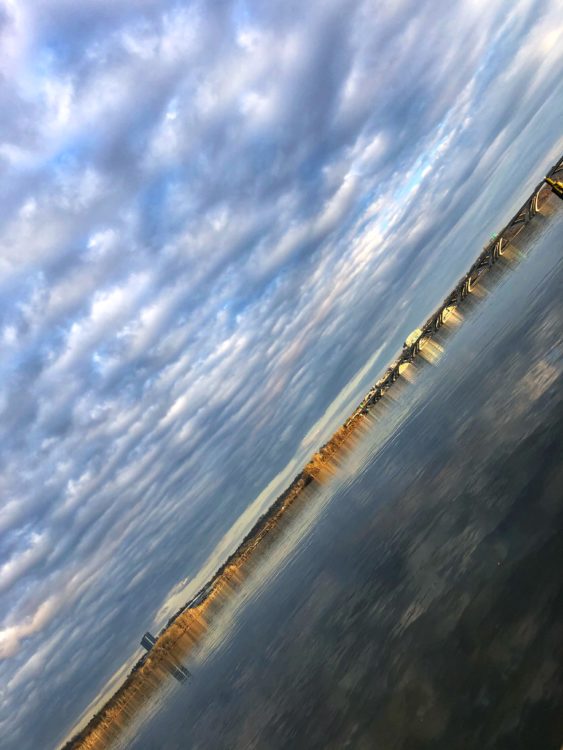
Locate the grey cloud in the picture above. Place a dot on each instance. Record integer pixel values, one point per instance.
(212, 218)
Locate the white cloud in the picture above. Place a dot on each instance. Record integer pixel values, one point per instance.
(207, 222)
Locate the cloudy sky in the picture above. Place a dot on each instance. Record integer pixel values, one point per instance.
(214, 217)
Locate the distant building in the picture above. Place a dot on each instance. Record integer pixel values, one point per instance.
(199, 597)
(148, 641)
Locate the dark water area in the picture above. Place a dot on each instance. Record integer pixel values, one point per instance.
(417, 600)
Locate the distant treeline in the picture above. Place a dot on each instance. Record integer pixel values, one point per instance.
(328, 453)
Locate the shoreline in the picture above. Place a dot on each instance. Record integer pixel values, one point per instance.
(192, 619)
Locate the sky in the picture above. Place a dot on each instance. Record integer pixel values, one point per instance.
(218, 223)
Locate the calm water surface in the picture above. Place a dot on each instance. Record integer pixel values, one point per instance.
(417, 600)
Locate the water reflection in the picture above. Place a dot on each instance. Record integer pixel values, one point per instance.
(404, 596)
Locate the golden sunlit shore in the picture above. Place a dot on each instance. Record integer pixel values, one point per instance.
(191, 622)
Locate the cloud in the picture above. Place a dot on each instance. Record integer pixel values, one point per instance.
(211, 218)
(11, 636)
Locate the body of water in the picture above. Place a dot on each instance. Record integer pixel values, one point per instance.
(416, 600)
